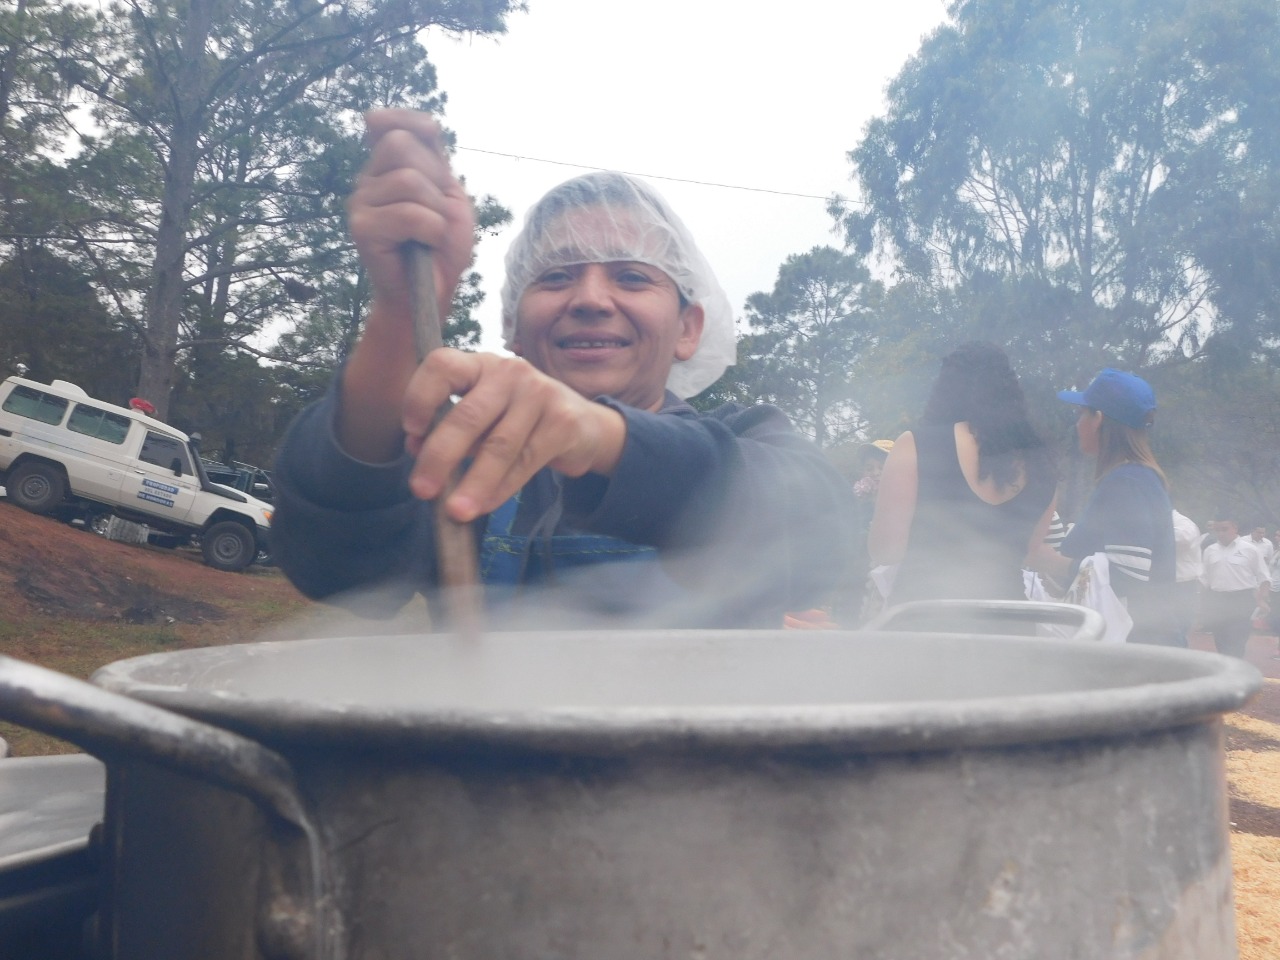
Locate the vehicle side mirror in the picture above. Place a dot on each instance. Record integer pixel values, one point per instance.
(176, 466)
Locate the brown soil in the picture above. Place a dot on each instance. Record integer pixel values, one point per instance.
(59, 570)
(1253, 781)
(74, 601)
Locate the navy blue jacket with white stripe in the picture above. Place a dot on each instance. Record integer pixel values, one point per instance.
(1130, 519)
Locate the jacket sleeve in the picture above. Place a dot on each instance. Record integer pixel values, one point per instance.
(340, 524)
(738, 503)
(1118, 521)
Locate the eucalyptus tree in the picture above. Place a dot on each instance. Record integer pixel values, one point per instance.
(805, 340)
(1232, 175)
(1076, 150)
(222, 112)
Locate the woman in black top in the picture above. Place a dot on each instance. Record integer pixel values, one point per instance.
(970, 492)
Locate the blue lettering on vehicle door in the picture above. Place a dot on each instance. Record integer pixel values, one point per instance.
(146, 494)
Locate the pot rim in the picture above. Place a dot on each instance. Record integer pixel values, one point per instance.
(1184, 687)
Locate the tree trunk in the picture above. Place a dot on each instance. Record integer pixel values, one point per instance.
(164, 299)
(163, 311)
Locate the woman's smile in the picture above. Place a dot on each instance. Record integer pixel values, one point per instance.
(591, 343)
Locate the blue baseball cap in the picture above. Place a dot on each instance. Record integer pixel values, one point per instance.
(1119, 395)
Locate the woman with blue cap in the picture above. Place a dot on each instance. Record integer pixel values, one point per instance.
(1128, 517)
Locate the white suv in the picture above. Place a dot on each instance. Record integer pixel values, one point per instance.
(59, 448)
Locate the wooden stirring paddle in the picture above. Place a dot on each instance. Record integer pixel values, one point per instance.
(455, 542)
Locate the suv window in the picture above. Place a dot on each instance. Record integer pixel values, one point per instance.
(228, 478)
(99, 424)
(162, 451)
(35, 404)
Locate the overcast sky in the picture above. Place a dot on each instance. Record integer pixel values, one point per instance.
(694, 90)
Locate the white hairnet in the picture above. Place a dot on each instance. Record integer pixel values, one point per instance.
(641, 227)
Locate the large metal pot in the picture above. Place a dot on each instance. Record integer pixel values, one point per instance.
(889, 794)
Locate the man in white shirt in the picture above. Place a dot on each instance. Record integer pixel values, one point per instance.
(1237, 581)
(1258, 537)
(1187, 567)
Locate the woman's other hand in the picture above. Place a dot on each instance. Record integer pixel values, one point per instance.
(511, 420)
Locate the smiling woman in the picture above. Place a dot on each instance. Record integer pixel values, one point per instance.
(607, 329)
(633, 238)
(600, 493)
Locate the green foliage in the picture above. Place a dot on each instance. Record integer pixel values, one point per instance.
(1218, 437)
(1082, 147)
(53, 325)
(1089, 183)
(243, 406)
(234, 403)
(207, 203)
(35, 73)
(339, 300)
(806, 339)
(462, 330)
(201, 222)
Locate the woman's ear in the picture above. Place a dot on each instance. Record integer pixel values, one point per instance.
(691, 321)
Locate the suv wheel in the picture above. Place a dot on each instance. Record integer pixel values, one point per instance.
(37, 487)
(227, 546)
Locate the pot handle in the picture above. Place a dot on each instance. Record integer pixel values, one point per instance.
(108, 724)
(1088, 622)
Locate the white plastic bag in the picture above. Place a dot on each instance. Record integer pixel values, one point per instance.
(879, 585)
(1091, 588)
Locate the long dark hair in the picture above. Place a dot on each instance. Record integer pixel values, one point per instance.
(977, 385)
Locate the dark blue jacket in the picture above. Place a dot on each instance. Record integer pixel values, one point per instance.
(1130, 519)
(746, 518)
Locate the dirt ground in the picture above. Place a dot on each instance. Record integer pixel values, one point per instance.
(74, 601)
(1253, 781)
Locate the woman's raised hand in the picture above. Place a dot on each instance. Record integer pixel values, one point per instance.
(511, 420)
(406, 191)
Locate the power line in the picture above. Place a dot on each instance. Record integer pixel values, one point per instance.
(658, 176)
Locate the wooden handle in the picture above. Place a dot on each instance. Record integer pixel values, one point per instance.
(455, 542)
